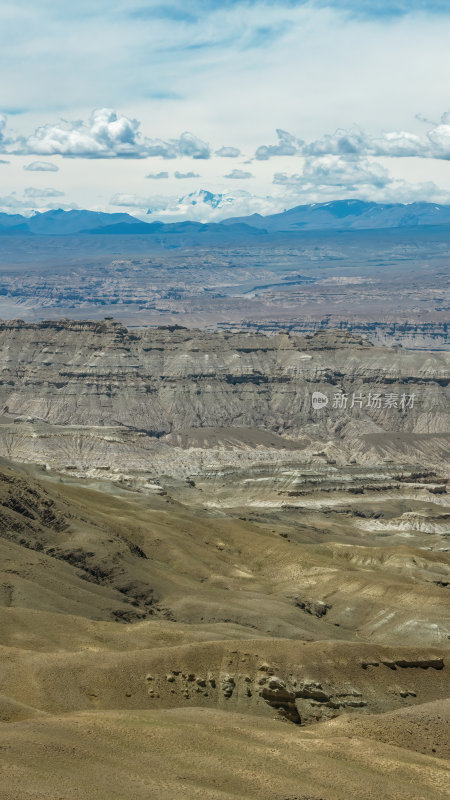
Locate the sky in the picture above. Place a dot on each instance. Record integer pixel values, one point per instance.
(213, 109)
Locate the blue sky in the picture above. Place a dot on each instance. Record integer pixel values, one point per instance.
(264, 104)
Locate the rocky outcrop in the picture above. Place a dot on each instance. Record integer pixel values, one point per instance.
(277, 696)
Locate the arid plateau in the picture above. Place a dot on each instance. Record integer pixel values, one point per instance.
(212, 584)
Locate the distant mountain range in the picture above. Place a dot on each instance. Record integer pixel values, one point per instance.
(61, 223)
(338, 215)
(349, 215)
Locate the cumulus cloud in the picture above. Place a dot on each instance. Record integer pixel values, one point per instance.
(41, 166)
(190, 145)
(187, 145)
(183, 175)
(239, 174)
(32, 192)
(341, 142)
(332, 177)
(157, 176)
(106, 135)
(228, 152)
(356, 142)
(434, 144)
(439, 139)
(109, 135)
(336, 171)
(288, 145)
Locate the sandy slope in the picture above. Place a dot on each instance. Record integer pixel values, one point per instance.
(155, 649)
(203, 753)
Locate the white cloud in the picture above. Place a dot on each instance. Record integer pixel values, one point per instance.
(182, 175)
(336, 172)
(439, 138)
(356, 142)
(190, 145)
(41, 166)
(288, 145)
(32, 192)
(228, 152)
(353, 142)
(157, 147)
(434, 144)
(108, 135)
(105, 135)
(157, 176)
(333, 177)
(187, 145)
(239, 174)
(124, 200)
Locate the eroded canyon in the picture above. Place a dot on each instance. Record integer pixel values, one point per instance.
(224, 565)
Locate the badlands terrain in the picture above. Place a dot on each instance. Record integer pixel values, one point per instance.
(392, 287)
(224, 565)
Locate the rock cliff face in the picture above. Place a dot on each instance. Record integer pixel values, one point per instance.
(164, 380)
(84, 394)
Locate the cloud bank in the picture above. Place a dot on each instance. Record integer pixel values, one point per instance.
(335, 171)
(109, 135)
(435, 143)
